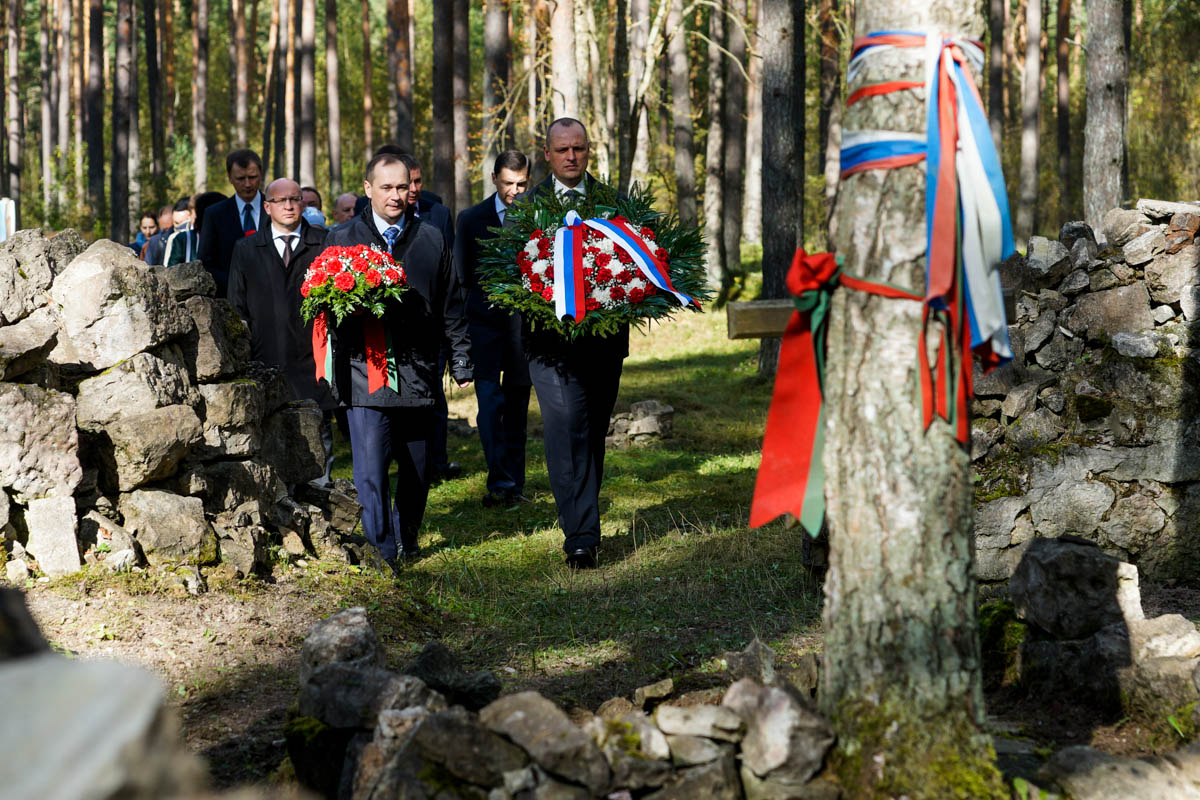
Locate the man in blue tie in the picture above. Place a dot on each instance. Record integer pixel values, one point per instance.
(389, 424)
(234, 219)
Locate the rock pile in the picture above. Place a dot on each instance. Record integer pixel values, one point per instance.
(1091, 430)
(363, 731)
(645, 422)
(134, 429)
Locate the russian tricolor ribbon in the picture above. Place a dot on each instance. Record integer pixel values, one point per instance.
(570, 293)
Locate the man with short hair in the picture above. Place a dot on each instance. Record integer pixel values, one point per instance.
(156, 246)
(312, 198)
(181, 245)
(232, 219)
(501, 373)
(576, 381)
(343, 208)
(394, 424)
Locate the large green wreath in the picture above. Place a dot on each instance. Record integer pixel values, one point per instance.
(500, 277)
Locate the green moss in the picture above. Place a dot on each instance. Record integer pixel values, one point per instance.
(624, 736)
(304, 731)
(1092, 408)
(317, 752)
(889, 749)
(1001, 635)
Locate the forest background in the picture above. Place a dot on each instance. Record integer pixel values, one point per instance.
(115, 107)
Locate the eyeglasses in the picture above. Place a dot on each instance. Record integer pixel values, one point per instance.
(287, 201)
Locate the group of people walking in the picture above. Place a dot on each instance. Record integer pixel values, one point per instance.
(258, 245)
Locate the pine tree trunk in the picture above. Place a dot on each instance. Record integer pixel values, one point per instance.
(12, 55)
(625, 120)
(997, 13)
(368, 86)
(169, 89)
(134, 206)
(564, 75)
(783, 189)
(528, 64)
(752, 207)
(200, 93)
(95, 106)
(80, 68)
(495, 82)
(442, 92)
(289, 29)
(282, 166)
(714, 153)
(251, 56)
(1030, 114)
(308, 93)
(579, 26)
(63, 127)
(1063, 80)
(3, 103)
(403, 79)
(122, 96)
(333, 100)
(270, 93)
(462, 102)
(1011, 23)
(734, 124)
(681, 115)
(154, 99)
(640, 60)
(241, 78)
(46, 106)
(1104, 133)
(600, 82)
(831, 73)
(901, 676)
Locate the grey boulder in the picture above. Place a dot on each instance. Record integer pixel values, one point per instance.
(169, 527)
(51, 525)
(25, 343)
(1067, 588)
(345, 637)
(39, 446)
(218, 343)
(149, 447)
(135, 386)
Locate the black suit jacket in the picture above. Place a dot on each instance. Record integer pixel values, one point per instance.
(222, 230)
(267, 296)
(495, 332)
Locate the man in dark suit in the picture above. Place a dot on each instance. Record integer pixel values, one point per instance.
(395, 424)
(155, 251)
(232, 219)
(501, 373)
(577, 381)
(265, 274)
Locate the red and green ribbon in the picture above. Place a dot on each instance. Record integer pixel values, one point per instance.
(380, 353)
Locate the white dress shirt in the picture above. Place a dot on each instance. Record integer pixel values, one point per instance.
(255, 208)
(280, 238)
(561, 188)
(382, 224)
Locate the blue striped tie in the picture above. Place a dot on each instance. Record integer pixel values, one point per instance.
(391, 234)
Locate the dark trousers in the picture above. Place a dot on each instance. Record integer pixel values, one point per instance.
(438, 458)
(576, 401)
(379, 436)
(503, 412)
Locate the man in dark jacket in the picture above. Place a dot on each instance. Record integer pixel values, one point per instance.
(501, 373)
(396, 424)
(232, 219)
(265, 274)
(577, 381)
(155, 251)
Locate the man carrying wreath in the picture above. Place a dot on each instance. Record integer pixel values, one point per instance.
(389, 424)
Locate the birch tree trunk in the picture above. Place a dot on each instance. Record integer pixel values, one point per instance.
(288, 30)
(46, 107)
(752, 207)
(333, 100)
(734, 126)
(65, 57)
(462, 102)
(200, 93)
(154, 100)
(270, 93)
(12, 54)
(997, 14)
(1030, 114)
(1063, 81)
(716, 268)
(564, 74)
(529, 64)
(95, 106)
(901, 678)
(119, 187)
(783, 70)
(241, 77)
(134, 160)
(368, 93)
(442, 92)
(640, 60)
(681, 115)
(1104, 133)
(495, 82)
(308, 93)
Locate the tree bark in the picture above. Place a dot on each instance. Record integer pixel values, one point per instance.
(289, 30)
(681, 115)
(564, 74)
(200, 93)
(251, 54)
(122, 95)
(901, 673)
(134, 160)
(270, 94)
(308, 93)
(462, 102)
(623, 95)
(95, 106)
(716, 267)
(734, 124)
(65, 57)
(282, 165)
(368, 87)
(831, 73)
(529, 64)
(752, 207)
(154, 100)
(495, 82)
(169, 88)
(13, 91)
(997, 13)
(1030, 115)
(600, 82)
(640, 60)
(80, 67)
(442, 96)
(46, 106)
(1104, 133)
(333, 100)
(402, 79)
(241, 78)
(1063, 81)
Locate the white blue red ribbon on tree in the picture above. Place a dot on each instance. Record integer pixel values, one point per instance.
(570, 288)
(968, 232)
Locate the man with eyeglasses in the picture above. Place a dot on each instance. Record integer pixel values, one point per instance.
(265, 274)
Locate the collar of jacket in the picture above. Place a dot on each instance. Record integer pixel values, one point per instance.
(411, 223)
(308, 234)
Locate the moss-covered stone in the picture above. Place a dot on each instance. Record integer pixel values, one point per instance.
(1000, 638)
(1092, 408)
(317, 752)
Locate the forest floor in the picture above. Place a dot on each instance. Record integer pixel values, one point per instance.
(681, 581)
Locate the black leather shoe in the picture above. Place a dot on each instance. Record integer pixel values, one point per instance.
(514, 498)
(410, 555)
(582, 558)
(491, 500)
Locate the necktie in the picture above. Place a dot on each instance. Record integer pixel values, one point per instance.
(287, 248)
(248, 218)
(391, 235)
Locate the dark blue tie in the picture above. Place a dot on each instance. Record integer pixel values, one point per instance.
(247, 218)
(391, 234)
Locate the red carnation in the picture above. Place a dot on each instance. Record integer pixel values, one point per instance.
(616, 293)
(650, 290)
(604, 275)
(526, 269)
(304, 289)
(317, 277)
(391, 275)
(636, 295)
(619, 218)
(588, 272)
(333, 267)
(661, 254)
(373, 278)
(549, 273)
(344, 281)
(624, 276)
(536, 285)
(647, 234)
(591, 304)
(548, 294)
(603, 260)
(538, 234)
(359, 264)
(624, 257)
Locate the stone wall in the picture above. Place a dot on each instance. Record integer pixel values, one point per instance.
(1092, 430)
(134, 429)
